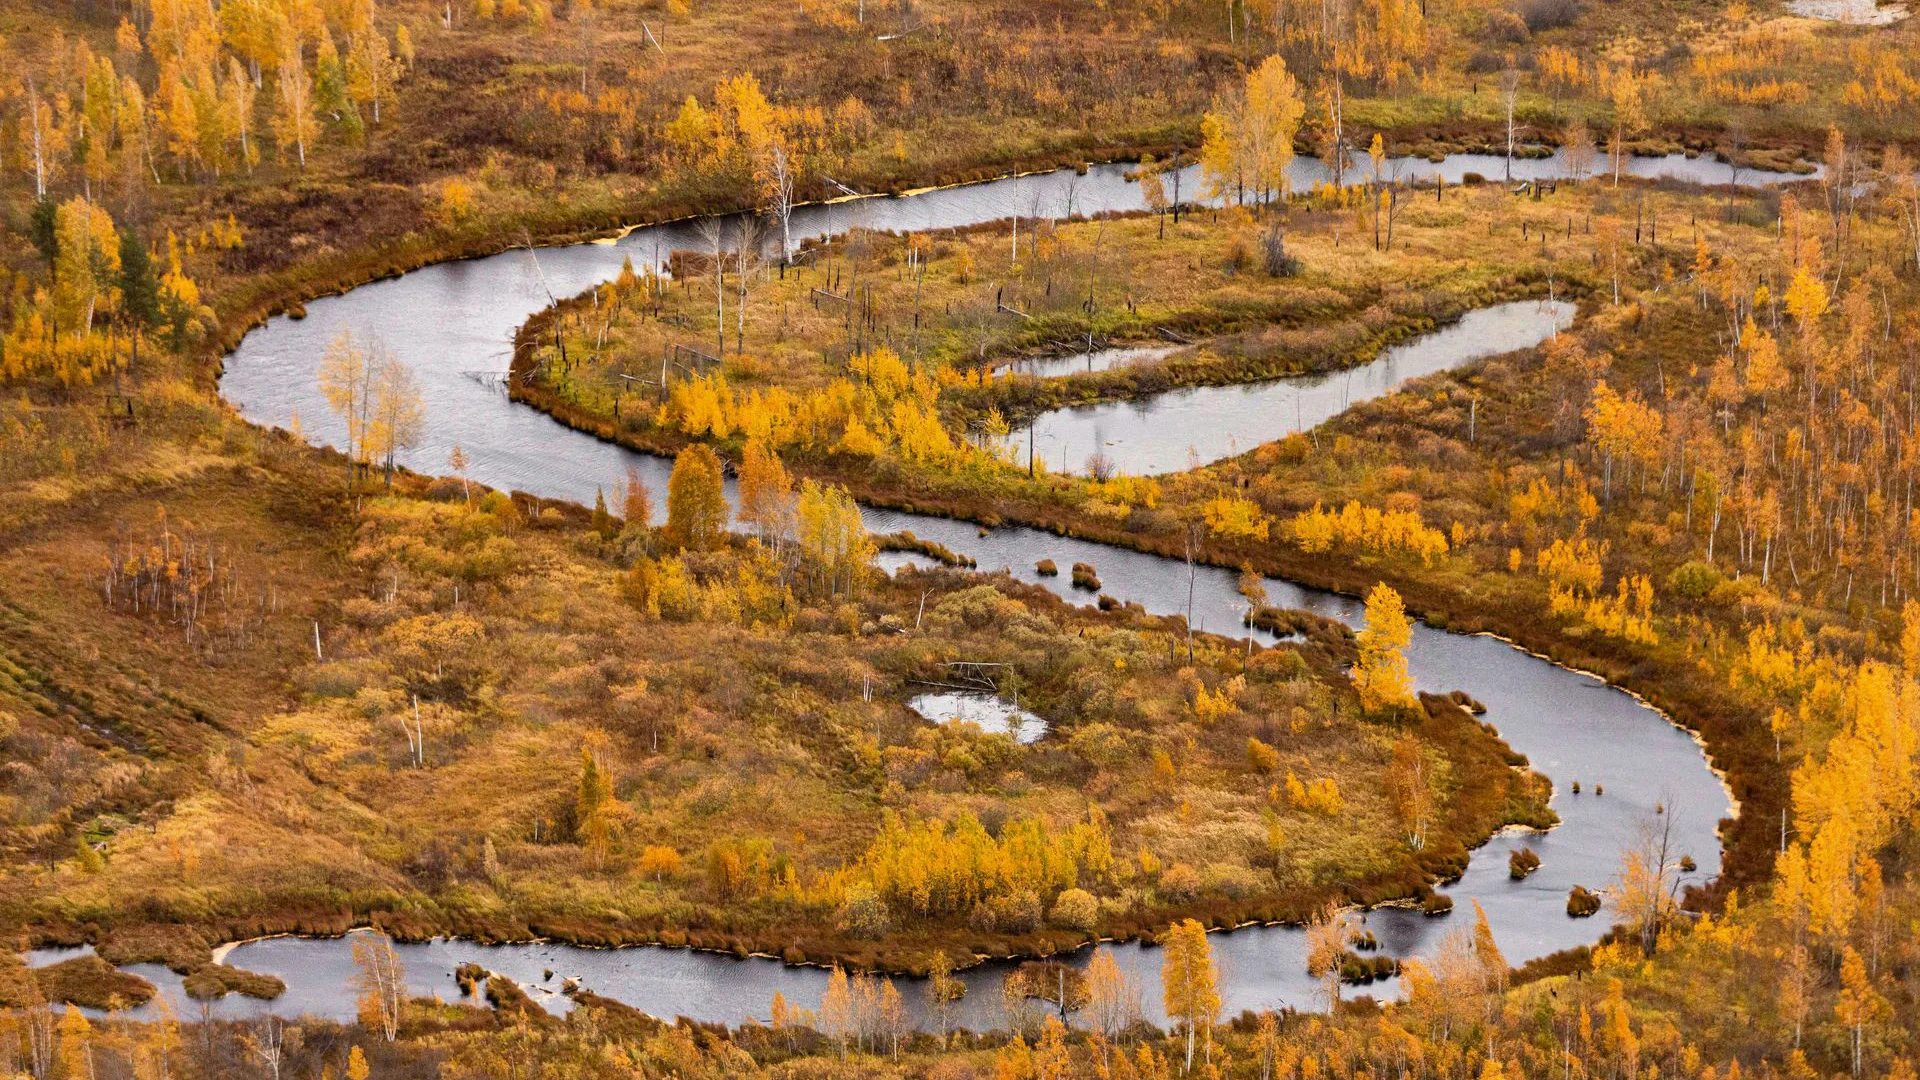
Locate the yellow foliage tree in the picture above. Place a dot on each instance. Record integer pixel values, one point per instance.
(696, 499)
(1380, 673)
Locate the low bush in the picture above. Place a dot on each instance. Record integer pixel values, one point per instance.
(1076, 909)
(1548, 14)
(1694, 580)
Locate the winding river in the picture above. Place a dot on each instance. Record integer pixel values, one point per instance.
(453, 320)
(1194, 426)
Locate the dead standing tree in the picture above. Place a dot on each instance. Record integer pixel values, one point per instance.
(747, 249)
(777, 181)
(713, 234)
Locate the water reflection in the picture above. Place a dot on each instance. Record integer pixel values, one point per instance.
(982, 710)
(1195, 426)
(448, 320)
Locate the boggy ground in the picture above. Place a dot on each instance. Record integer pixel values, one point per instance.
(225, 781)
(1261, 296)
(799, 367)
(1717, 989)
(552, 121)
(1585, 237)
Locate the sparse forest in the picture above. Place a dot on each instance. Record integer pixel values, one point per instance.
(336, 675)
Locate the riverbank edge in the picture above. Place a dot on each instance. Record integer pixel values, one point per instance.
(1023, 397)
(243, 308)
(1496, 791)
(1721, 724)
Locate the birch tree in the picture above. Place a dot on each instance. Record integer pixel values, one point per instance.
(382, 982)
(777, 182)
(293, 122)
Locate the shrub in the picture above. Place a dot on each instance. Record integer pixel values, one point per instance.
(456, 201)
(1230, 881)
(1549, 14)
(1046, 568)
(1273, 254)
(863, 913)
(1180, 883)
(658, 862)
(1017, 913)
(1085, 578)
(1076, 909)
(1504, 25)
(1261, 758)
(1278, 665)
(1694, 580)
(1239, 253)
(1582, 902)
(1321, 796)
(336, 679)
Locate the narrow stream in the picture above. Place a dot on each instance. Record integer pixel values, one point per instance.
(1195, 426)
(450, 321)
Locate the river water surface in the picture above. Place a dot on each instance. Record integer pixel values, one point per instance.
(1194, 426)
(450, 320)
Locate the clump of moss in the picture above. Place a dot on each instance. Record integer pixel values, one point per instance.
(92, 983)
(1435, 903)
(1522, 862)
(506, 996)
(1361, 970)
(182, 948)
(212, 981)
(471, 975)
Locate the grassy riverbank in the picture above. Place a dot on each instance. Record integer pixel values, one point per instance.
(1583, 237)
(318, 815)
(241, 692)
(1255, 296)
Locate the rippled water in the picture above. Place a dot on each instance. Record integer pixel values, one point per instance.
(1182, 429)
(447, 320)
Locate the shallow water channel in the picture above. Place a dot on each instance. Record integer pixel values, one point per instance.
(453, 320)
(1194, 426)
